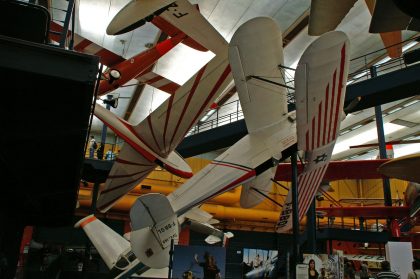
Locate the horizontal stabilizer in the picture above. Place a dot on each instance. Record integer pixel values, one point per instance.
(250, 195)
(154, 224)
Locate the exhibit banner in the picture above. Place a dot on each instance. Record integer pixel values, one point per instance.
(322, 265)
(259, 263)
(198, 262)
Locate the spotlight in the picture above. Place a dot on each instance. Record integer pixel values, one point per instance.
(114, 75)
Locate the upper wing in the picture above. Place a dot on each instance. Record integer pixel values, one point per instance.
(181, 14)
(255, 54)
(325, 15)
(165, 127)
(320, 83)
(128, 170)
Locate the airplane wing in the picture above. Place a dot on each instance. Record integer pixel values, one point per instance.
(325, 15)
(157, 81)
(320, 83)
(405, 168)
(128, 170)
(255, 58)
(166, 127)
(181, 14)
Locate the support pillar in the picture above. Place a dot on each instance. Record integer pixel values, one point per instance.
(296, 247)
(382, 147)
(311, 228)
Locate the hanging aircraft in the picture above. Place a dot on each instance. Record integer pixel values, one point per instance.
(181, 14)
(120, 70)
(387, 19)
(320, 90)
(153, 141)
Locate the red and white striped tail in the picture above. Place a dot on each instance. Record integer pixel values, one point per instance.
(320, 90)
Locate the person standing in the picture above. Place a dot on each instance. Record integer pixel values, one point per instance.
(100, 151)
(415, 274)
(92, 147)
(386, 272)
(364, 271)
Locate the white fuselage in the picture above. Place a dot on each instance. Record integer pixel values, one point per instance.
(235, 166)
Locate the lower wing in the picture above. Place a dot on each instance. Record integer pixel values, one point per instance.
(128, 170)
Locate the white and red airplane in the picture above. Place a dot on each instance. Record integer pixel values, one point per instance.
(255, 54)
(153, 141)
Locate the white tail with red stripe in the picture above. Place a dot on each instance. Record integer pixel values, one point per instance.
(320, 83)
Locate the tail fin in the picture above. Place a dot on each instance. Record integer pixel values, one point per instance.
(113, 248)
(154, 224)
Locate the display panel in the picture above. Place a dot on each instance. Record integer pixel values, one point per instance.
(199, 262)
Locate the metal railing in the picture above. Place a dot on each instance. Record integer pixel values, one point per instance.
(222, 116)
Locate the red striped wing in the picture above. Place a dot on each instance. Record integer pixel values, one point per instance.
(158, 81)
(165, 127)
(128, 170)
(320, 90)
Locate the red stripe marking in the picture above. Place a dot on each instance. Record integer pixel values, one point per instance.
(149, 121)
(153, 79)
(170, 88)
(332, 105)
(309, 186)
(212, 92)
(231, 166)
(340, 89)
(317, 178)
(118, 160)
(168, 113)
(190, 95)
(82, 45)
(313, 133)
(145, 172)
(325, 113)
(87, 221)
(180, 173)
(318, 141)
(134, 145)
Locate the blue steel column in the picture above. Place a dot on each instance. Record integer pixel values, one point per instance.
(104, 127)
(311, 228)
(295, 212)
(382, 148)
